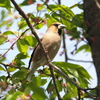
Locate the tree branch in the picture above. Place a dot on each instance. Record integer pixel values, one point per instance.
(80, 60)
(79, 97)
(54, 81)
(11, 65)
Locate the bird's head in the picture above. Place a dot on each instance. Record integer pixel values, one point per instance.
(56, 27)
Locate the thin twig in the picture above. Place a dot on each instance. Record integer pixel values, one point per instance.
(11, 65)
(7, 72)
(65, 49)
(80, 60)
(10, 47)
(63, 35)
(78, 94)
(54, 81)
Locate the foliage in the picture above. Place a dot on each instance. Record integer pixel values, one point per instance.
(14, 82)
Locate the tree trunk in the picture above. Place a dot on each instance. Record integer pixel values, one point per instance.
(92, 20)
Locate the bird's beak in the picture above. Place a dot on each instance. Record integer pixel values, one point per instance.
(61, 26)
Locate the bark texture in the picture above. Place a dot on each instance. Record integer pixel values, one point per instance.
(92, 20)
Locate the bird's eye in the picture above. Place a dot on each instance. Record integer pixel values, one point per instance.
(56, 25)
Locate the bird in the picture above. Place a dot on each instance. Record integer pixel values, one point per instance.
(51, 41)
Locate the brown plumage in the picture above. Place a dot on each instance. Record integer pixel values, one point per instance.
(51, 41)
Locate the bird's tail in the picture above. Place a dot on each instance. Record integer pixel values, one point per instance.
(33, 69)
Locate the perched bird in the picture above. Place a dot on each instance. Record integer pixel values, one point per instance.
(51, 41)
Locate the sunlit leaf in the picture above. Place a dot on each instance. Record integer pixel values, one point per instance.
(22, 25)
(1, 68)
(22, 55)
(50, 19)
(30, 40)
(22, 46)
(36, 81)
(75, 71)
(27, 2)
(6, 4)
(62, 8)
(68, 96)
(2, 39)
(40, 7)
(2, 59)
(8, 33)
(3, 14)
(40, 25)
(10, 69)
(84, 47)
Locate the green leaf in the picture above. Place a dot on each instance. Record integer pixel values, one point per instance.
(22, 55)
(78, 20)
(83, 73)
(18, 62)
(30, 15)
(3, 15)
(22, 46)
(66, 10)
(39, 93)
(8, 33)
(3, 23)
(68, 96)
(74, 32)
(40, 7)
(84, 47)
(31, 41)
(58, 82)
(36, 81)
(2, 59)
(68, 24)
(2, 39)
(40, 25)
(27, 2)
(75, 71)
(43, 82)
(22, 25)
(20, 74)
(50, 19)
(13, 96)
(6, 4)
(67, 65)
(72, 67)
(80, 6)
(1, 68)
(2, 78)
(10, 69)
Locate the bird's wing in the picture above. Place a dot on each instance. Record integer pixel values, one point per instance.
(33, 54)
